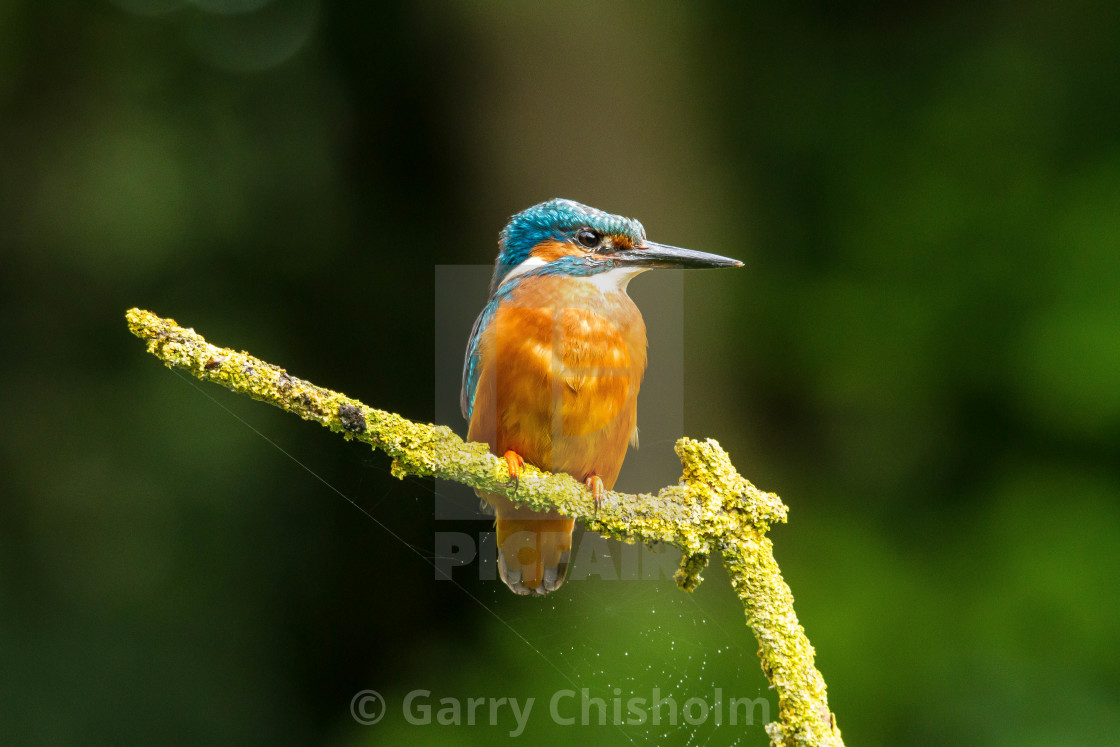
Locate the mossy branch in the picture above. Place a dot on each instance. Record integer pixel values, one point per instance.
(711, 508)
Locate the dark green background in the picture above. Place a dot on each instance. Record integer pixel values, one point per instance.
(922, 356)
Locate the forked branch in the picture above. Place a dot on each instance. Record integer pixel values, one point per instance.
(711, 508)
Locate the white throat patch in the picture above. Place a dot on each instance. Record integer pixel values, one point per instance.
(616, 279)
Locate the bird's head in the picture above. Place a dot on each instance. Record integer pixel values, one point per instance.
(567, 238)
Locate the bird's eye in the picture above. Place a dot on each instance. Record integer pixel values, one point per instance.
(589, 238)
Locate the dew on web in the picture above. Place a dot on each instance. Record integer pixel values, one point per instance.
(643, 658)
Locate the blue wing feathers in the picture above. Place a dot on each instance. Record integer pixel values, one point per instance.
(472, 362)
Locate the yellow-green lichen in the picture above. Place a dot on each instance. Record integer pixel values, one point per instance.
(712, 507)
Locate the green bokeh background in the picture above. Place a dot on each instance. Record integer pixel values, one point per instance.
(922, 356)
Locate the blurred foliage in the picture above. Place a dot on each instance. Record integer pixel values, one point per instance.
(922, 356)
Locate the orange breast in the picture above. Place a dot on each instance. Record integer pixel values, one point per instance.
(561, 366)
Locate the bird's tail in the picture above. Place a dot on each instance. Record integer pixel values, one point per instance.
(533, 550)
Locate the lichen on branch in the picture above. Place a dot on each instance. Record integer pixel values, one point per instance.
(712, 507)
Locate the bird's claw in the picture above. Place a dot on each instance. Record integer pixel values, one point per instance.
(595, 485)
(515, 464)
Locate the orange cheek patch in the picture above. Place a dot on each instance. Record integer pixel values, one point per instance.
(550, 251)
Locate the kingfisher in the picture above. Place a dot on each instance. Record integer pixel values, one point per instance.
(554, 364)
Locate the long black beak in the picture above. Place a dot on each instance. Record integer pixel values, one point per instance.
(649, 254)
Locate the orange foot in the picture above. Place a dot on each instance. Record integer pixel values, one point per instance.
(595, 485)
(515, 464)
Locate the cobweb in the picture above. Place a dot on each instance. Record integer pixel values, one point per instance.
(627, 644)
